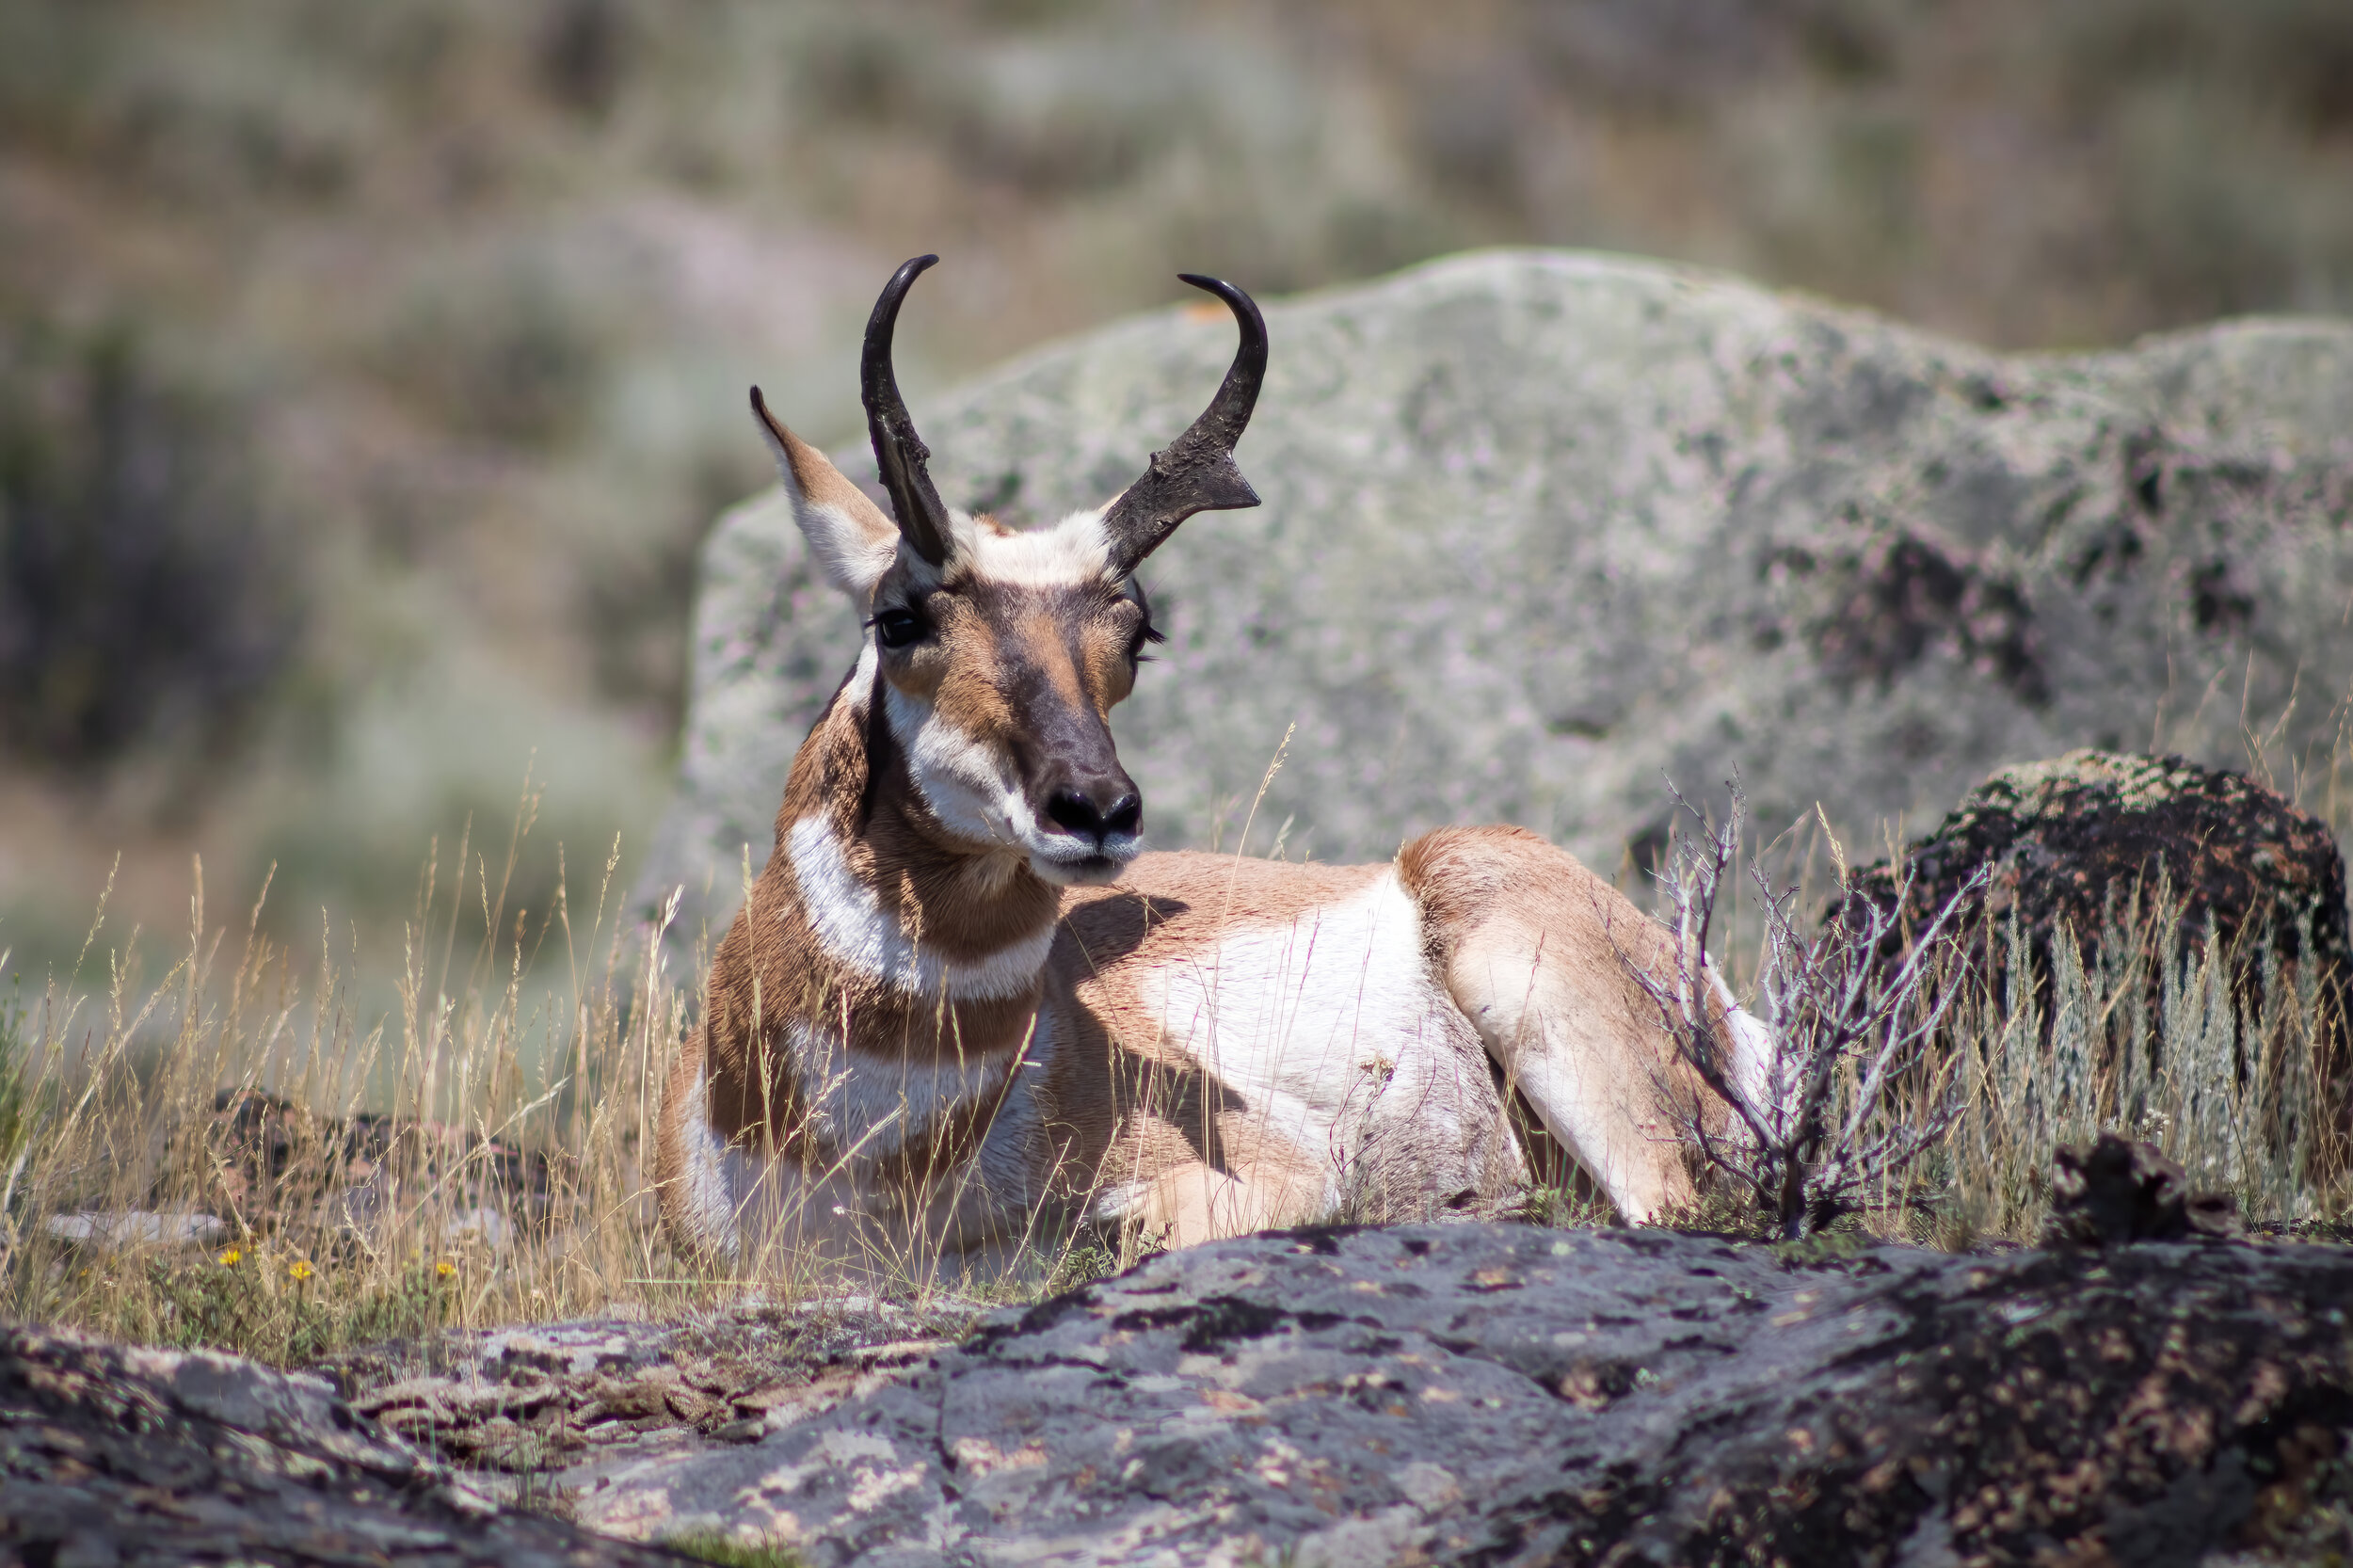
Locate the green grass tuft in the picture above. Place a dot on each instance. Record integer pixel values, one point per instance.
(731, 1553)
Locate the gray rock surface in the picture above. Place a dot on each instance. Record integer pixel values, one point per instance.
(114, 1457)
(1509, 1394)
(1540, 525)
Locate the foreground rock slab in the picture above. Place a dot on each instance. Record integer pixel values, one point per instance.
(111, 1455)
(1507, 1394)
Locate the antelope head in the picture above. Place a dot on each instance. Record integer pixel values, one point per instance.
(996, 656)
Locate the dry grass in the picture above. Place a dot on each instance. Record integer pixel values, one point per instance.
(477, 1157)
(1925, 1099)
(2217, 1053)
(500, 1180)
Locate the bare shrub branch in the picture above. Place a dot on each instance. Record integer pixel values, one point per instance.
(1818, 1129)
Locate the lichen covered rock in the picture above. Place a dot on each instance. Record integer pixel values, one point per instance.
(1480, 1394)
(2068, 843)
(2099, 845)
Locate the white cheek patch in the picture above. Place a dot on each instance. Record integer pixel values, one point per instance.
(971, 792)
(859, 934)
(968, 787)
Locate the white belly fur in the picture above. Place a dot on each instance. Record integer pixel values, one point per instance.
(834, 1210)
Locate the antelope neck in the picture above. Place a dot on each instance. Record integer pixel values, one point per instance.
(894, 905)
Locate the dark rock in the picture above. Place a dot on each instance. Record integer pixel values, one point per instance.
(2073, 842)
(1488, 1394)
(2118, 1190)
(117, 1456)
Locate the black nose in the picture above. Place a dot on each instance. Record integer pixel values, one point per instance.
(1108, 805)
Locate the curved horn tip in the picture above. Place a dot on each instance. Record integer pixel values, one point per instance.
(899, 455)
(910, 270)
(883, 323)
(1237, 300)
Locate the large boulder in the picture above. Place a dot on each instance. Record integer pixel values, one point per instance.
(1541, 526)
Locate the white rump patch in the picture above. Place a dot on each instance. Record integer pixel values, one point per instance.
(859, 934)
(1751, 1045)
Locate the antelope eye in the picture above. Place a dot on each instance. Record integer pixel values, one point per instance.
(899, 628)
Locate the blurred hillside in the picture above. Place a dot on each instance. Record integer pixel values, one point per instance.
(369, 372)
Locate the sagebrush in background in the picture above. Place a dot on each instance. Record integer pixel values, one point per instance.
(145, 598)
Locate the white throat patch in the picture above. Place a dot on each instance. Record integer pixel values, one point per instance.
(859, 934)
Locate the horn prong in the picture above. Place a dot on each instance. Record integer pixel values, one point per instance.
(900, 453)
(1195, 472)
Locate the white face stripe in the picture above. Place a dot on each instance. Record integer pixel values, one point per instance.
(857, 933)
(859, 692)
(971, 789)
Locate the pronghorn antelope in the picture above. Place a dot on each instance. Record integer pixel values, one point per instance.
(962, 1005)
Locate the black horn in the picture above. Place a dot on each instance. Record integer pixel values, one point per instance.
(1195, 472)
(899, 452)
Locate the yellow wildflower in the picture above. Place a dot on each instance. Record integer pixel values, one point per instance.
(446, 1268)
(300, 1267)
(231, 1258)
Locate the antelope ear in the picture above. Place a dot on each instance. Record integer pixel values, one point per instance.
(854, 542)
